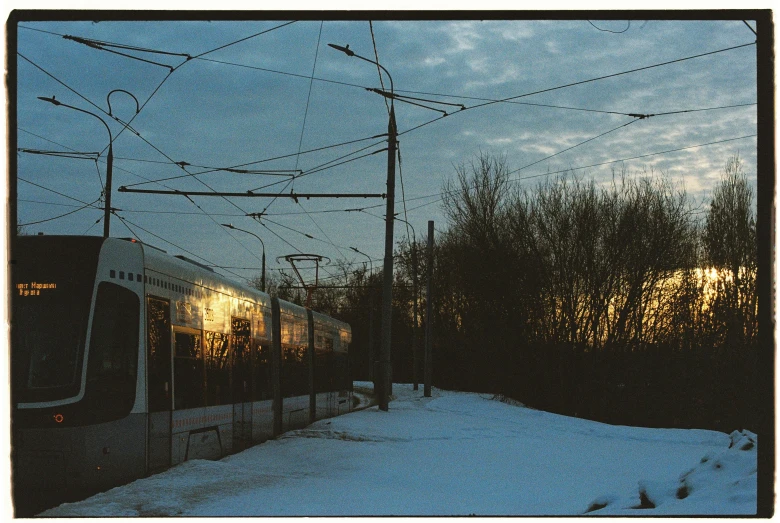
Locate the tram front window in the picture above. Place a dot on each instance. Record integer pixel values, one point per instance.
(53, 278)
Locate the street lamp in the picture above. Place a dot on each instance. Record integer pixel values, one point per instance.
(109, 160)
(387, 290)
(262, 278)
(370, 262)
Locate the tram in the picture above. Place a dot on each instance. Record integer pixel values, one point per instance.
(126, 360)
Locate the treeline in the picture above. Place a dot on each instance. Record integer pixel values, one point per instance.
(622, 303)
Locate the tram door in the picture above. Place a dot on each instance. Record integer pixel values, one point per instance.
(242, 383)
(158, 358)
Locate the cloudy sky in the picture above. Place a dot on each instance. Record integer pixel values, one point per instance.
(270, 96)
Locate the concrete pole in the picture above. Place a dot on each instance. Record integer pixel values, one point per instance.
(109, 176)
(429, 317)
(415, 358)
(385, 370)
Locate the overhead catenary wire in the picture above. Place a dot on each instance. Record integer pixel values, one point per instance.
(171, 243)
(300, 142)
(51, 190)
(153, 146)
(573, 146)
(138, 134)
(570, 169)
(402, 182)
(61, 215)
(610, 31)
(581, 82)
(245, 38)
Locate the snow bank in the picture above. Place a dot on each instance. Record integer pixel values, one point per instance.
(453, 454)
(722, 482)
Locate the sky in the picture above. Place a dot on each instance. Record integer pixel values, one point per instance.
(454, 453)
(263, 94)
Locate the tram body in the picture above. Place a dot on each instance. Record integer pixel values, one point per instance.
(126, 361)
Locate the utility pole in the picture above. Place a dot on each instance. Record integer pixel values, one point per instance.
(429, 316)
(385, 368)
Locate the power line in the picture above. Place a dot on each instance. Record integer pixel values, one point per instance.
(619, 74)
(636, 157)
(245, 39)
(573, 146)
(215, 169)
(149, 143)
(378, 67)
(66, 86)
(326, 166)
(440, 198)
(609, 31)
(171, 243)
(40, 30)
(572, 84)
(61, 215)
(51, 190)
(285, 73)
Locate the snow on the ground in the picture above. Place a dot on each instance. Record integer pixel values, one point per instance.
(454, 454)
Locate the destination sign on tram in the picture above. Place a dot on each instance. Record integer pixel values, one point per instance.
(35, 288)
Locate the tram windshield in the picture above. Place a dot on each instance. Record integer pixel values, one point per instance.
(53, 278)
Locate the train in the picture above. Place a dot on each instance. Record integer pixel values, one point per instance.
(126, 360)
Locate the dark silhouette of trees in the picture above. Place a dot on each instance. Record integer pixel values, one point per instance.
(611, 302)
(615, 302)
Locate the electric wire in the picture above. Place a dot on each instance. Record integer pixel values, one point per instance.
(636, 157)
(51, 190)
(171, 243)
(66, 86)
(572, 84)
(149, 143)
(644, 68)
(325, 166)
(153, 146)
(593, 80)
(76, 155)
(308, 100)
(609, 31)
(285, 73)
(61, 215)
(245, 39)
(39, 30)
(378, 69)
(573, 146)
(570, 169)
(300, 142)
(93, 225)
(216, 169)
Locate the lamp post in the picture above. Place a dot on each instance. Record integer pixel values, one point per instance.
(109, 161)
(262, 278)
(370, 320)
(415, 363)
(387, 287)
